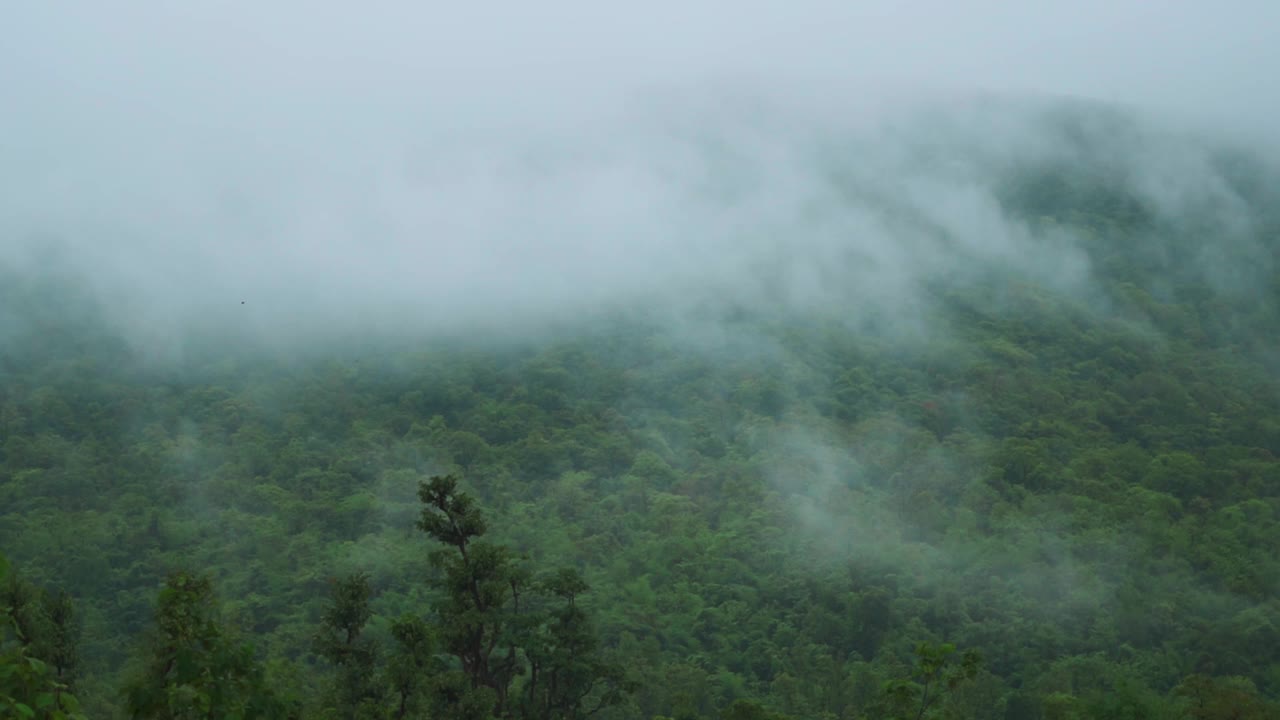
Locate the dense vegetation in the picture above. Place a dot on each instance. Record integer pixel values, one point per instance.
(1051, 505)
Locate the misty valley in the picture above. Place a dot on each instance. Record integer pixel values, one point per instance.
(961, 429)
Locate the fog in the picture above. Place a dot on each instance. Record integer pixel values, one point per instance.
(407, 166)
(307, 176)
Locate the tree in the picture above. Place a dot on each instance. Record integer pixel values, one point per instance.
(357, 692)
(362, 689)
(46, 622)
(483, 587)
(29, 686)
(491, 621)
(412, 667)
(194, 667)
(567, 677)
(748, 710)
(1233, 698)
(934, 675)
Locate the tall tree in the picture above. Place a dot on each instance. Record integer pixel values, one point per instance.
(567, 677)
(412, 667)
(483, 587)
(194, 668)
(495, 621)
(357, 692)
(36, 652)
(46, 622)
(935, 674)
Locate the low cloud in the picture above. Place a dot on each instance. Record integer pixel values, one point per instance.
(492, 169)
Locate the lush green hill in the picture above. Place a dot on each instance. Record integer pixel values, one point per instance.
(1079, 481)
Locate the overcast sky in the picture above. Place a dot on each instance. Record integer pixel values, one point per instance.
(1186, 54)
(378, 148)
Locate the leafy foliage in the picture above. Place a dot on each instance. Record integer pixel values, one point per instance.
(778, 517)
(35, 656)
(196, 669)
(933, 676)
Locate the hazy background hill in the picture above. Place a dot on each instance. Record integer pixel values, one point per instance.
(806, 334)
(1022, 401)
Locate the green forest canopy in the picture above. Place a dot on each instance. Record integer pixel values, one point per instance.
(1054, 506)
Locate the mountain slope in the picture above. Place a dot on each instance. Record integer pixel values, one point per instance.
(1071, 469)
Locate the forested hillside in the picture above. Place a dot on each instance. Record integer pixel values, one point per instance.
(1027, 491)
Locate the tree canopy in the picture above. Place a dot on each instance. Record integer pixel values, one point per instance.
(1011, 498)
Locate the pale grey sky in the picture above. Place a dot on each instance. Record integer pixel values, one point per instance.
(1177, 53)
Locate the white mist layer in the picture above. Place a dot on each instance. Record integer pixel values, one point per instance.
(398, 170)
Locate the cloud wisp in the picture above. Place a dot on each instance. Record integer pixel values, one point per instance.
(402, 168)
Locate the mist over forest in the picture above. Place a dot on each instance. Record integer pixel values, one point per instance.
(757, 363)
